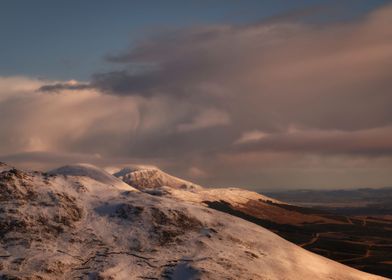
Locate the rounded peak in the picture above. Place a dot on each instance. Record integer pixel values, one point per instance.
(145, 177)
(91, 171)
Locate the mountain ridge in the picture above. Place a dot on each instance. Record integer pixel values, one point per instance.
(62, 226)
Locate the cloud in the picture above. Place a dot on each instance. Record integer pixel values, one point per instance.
(286, 71)
(294, 97)
(17, 85)
(370, 142)
(70, 85)
(196, 173)
(251, 136)
(207, 118)
(34, 121)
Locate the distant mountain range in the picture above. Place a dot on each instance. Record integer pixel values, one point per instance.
(364, 201)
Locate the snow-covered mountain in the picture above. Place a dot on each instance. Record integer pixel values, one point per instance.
(155, 181)
(92, 172)
(152, 178)
(78, 222)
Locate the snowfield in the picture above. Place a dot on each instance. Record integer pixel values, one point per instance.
(79, 222)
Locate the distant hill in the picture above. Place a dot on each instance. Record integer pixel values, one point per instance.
(364, 201)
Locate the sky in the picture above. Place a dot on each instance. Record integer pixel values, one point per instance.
(265, 95)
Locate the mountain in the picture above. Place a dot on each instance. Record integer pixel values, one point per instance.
(76, 222)
(151, 179)
(92, 172)
(362, 242)
(157, 182)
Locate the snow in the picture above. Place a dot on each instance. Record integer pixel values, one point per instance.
(129, 169)
(144, 178)
(234, 196)
(93, 172)
(156, 182)
(184, 271)
(76, 226)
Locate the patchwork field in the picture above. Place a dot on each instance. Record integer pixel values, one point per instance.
(363, 242)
